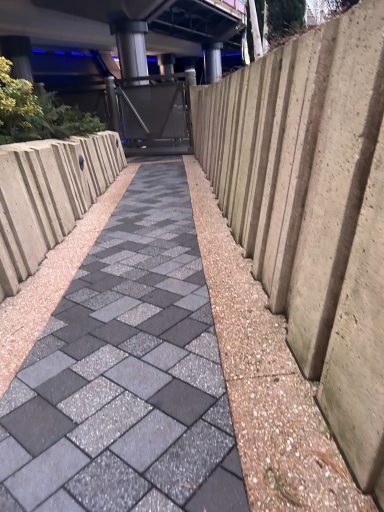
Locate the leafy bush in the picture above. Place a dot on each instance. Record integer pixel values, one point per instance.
(285, 17)
(25, 115)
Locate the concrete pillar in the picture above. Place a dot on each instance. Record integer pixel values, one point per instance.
(114, 117)
(166, 63)
(212, 62)
(190, 71)
(130, 41)
(18, 50)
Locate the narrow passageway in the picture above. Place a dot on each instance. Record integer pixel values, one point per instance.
(121, 404)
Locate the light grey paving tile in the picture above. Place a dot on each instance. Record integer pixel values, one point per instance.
(196, 264)
(108, 313)
(175, 252)
(117, 269)
(101, 300)
(89, 399)
(82, 295)
(220, 416)
(201, 373)
(205, 345)
(134, 259)
(154, 501)
(54, 324)
(117, 257)
(189, 461)
(167, 267)
(133, 289)
(204, 314)
(176, 286)
(45, 474)
(105, 426)
(3, 433)
(108, 485)
(140, 344)
(165, 356)
(17, 394)
(138, 377)
(44, 369)
(109, 242)
(203, 290)
(186, 258)
(182, 273)
(134, 274)
(43, 348)
(98, 362)
(80, 273)
(12, 457)
(139, 314)
(147, 440)
(61, 501)
(192, 302)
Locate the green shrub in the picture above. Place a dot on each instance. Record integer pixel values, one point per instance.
(285, 17)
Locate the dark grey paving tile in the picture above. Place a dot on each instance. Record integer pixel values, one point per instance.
(117, 308)
(191, 459)
(63, 305)
(164, 320)
(61, 386)
(222, 491)
(115, 332)
(36, 425)
(108, 424)
(95, 277)
(205, 345)
(182, 401)
(232, 463)
(96, 265)
(161, 298)
(108, 484)
(165, 355)
(135, 274)
(197, 278)
(7, 502)
(46, 368)
(83, 347)
(100, 300)
(154, 501)
(12, 457)
(53, 325)
(204, 315)
(201, 373)
(61, 501)
(43, 348)
(45, 474)
(73, 332)
(17, 394)
(220, 416)
(184, 332)
(107, 283)
(151, 279)
(147, 440)
(77, 284)
(138, 377)
(140, 344)
(81, 295)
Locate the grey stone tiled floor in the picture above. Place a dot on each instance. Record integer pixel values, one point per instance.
(121, 404)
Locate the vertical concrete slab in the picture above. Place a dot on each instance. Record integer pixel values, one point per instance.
(277, 138)
(259, 165)
(214, 130)
(250, 130)
(223, 123)
(208, 129)
(379, 489)
(346, 143)
(103, 159)
(351, 393)
(303, 120)
(109, 152)
(22, 230)
(9, 279)
(218, 125)
(81, 167)
(118, 149)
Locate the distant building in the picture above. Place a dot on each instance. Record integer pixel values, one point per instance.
(317, 11)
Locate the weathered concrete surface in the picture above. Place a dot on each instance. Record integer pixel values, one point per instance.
(379, 489)
(352, 385)
(309, 84)
(259, 165)
(250, 131)
(283, 95)
(346, 142)
(222, 127)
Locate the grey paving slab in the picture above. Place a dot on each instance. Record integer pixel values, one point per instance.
(61, 386)
(205, 345)
(164, 320)
(114, 332)
(151, 279)
(83, 347)
(176, 286)
(201, 373)
(232, 463)
(45, 474)
(154, 501)
(43, 348)
(161, 298)
(53, 325)
(147, 440)
(133, 289)
(140, 344)
(46, 368)
(3, 433)
(204, 315)
(92, 397)
(101, 300)
(7, 502)
(190, 460)
(108, 485)
(117, 308)
(192, 302)
(82, 295)
(220, 416)
(138, 377)
(98, 362)
(12, 457)
(165, 356)
(105, 426)
(17, 394)
(36, 425)
(139, 314)
(182, 273)
(184, 332)
(61, 501)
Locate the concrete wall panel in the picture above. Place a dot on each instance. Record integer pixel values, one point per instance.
(346, 142)
(352, 385)
(379, 489)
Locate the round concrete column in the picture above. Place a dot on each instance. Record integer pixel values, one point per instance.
(190, 71)
(212, 62)
(18, 50)
(166, 63)
(130, 41)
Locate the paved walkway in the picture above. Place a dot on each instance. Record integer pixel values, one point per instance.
(121, 405)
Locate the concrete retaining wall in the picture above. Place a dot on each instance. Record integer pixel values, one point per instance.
(43, 192)
(289, 147)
